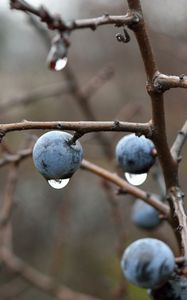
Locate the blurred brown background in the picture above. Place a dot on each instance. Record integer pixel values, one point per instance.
(70, 234)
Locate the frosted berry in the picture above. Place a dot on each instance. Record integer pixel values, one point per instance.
(148, 263)
(135, 154)
(55, 157)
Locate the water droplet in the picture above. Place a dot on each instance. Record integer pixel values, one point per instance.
(58, 183)
(136, 179)
(60, 64)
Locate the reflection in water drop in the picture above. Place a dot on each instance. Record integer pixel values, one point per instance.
(60, 64)
(58, 183)
(136, 179)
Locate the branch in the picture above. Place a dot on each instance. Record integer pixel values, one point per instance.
(158, 113)
(81, 96)
(123, 185)
(8, 203)
(36, 95)
(13, 289)
(81, 127)
(38, 280)
(56, 23)
(179, 218)
(163, 82)
(57, 90)
(104, 174)
(15, 158)
(159, 137)
(179, 143)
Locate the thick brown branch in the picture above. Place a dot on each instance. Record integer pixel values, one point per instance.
(143, 41)
(169, 166)
(159, 137)
(82, 126)
(55, 23)
(164, 82)
(122, 184)
(158, 114)
(38, 280)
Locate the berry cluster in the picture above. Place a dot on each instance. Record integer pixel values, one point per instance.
(57, 157)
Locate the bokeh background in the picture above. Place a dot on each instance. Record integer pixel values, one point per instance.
(71, 234)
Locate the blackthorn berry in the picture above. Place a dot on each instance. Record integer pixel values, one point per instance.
(55, 157)
(173, 289)
(144, 215)
(148, 263)
(135, 154)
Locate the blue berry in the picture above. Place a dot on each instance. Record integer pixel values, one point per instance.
(173, 289)
(55, 157)
(135, 154)
(144, 215)
(148, 263)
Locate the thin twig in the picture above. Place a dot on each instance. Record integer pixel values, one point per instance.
(123, 185)
(179, 142)
(82, 126)
(15, 158)
(38, 280)
(50, 91)
(13, 288)
(104, 174)
(56, 23)
(7, 205)
(164, 82)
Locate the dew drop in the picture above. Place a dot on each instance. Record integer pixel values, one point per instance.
(136, 179)
(60, 64)
(58, 183)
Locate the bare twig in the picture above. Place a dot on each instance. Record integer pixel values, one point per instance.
(13, 288)
(50, 91)
(39, 280)
(122, 184)
(179, 143)
(164, 82)
(82, 126)
(7, 205)
(179, 218)
(81, 96)
(15, 158)
(97, 81)
(56, 23)
(104, 174)
(57, 90)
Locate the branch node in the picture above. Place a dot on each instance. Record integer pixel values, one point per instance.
(148, 195)
(116, 124)
(181, 77)
(137, 17)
